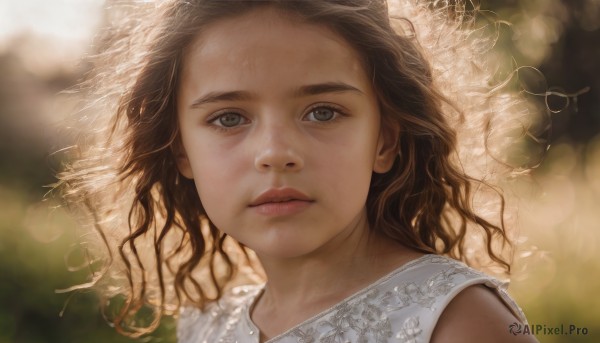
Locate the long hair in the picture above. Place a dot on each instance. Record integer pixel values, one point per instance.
(159, 247)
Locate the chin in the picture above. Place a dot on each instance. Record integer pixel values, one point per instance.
(284, 250)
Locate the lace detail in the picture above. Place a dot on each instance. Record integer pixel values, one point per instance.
(424, 293)
(410, 330)
(402, 307)
(364, 317)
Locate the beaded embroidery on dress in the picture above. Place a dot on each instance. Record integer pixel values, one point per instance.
(403, 306)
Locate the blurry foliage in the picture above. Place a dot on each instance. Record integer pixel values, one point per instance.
(562, 39)
(34, 240)
(558, 268)
(35, 236)
(557, 274)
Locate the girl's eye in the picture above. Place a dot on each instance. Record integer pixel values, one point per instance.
(323, 114)
(228, 120)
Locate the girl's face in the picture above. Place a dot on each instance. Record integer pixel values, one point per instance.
(280, 128)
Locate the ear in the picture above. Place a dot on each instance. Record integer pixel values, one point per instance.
(182, 161)
(387, 147)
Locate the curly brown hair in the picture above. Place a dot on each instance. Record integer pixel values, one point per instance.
(429, 79)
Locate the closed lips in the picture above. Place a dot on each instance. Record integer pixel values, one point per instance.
(279, 195)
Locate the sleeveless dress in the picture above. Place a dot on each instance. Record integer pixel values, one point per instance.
(403, 306)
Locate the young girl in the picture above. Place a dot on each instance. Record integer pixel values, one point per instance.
(289, 171)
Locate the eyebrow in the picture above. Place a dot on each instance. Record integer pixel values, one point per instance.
(316, 89)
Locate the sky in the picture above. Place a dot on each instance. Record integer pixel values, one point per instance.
(62, 19)
(48, 32)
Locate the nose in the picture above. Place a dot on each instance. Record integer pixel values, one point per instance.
(277, 149)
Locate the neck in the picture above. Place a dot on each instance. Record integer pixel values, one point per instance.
(335, 271)
(298, 288)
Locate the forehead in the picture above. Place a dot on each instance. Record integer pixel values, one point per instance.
(268, 49)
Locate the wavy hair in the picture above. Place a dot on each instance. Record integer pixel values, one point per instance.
(426, 61)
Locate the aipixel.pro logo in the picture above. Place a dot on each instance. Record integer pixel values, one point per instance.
(517, 328)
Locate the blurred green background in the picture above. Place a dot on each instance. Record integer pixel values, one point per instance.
(557, 275)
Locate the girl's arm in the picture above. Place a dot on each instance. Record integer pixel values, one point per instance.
(477, 315)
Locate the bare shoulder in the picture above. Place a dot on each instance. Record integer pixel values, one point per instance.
(477, 315)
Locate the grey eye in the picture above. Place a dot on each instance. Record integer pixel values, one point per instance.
(322, 114)
(230, 119)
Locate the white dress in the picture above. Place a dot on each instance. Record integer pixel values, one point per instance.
(403, 306)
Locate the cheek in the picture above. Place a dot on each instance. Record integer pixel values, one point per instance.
(209, 160)
(347, 170)
(217, 175)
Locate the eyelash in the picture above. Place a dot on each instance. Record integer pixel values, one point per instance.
(338, 112)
